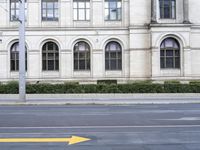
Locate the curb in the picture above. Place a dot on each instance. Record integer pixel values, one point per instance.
(100, 99)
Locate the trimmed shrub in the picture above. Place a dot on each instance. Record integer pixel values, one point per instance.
(169, 87)
(195, 87)
(10, 87)
(107, 82)
(177, 88)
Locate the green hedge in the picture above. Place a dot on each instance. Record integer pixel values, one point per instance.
(143, 87)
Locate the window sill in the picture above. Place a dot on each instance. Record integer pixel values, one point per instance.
(81, 23)
(50, 73)
(113, 20)
(82, 73)
(50, 23)
(82, 20)
(113, 23)
(167, 20)
(170, 69)
(15, 74)
(170, 72)
(113, 73)
(50, 70)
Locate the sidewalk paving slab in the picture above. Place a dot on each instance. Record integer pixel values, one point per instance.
(103, 99)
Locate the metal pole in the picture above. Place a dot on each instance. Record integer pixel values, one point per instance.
(22, 71)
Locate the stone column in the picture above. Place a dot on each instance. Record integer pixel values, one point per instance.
(153, 11)
(187, 64)
(186, 11)
(155, 62)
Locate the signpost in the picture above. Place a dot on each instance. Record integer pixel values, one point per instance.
(22, 70)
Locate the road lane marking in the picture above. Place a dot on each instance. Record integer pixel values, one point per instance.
(183, 119)
(99, 127)
(70, 141)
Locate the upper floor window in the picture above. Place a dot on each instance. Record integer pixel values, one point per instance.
(113, 56)
(167, 9)
(50, 56)
(113, 10)
(81, 9)
(14, 57)
(81, 56)
(170, 54)
(14, 10)
(50, 10)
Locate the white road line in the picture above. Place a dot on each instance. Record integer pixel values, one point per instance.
(104, 127)
(183, 118)
(90, 132)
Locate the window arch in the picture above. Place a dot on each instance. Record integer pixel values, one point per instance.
(113, 56)
(170, 54)
(50, 57)
(14, 57)
(81, 56)
(167, 9)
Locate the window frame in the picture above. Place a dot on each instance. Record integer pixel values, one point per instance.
(164, 57)
(15, 62)
(109, 9)
(86, 54)
(16, 9)
(117, 59)
(45, 57)
(85, 9)
(171, 8)
(46, 9)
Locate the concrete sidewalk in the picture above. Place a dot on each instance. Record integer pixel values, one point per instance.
(102, 99)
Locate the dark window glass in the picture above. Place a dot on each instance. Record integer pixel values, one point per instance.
(14, 57)
(167, 9)
(177, 62)
(81, 56)
(50, 57)
(50, 65)
(113, 56)
(113, 10)
(170, 54)
(50, 10)
(169, 62)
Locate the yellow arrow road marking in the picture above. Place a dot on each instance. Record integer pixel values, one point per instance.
(72, 140)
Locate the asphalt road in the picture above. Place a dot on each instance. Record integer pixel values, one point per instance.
(135, 127)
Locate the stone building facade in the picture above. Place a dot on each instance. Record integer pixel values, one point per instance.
(90, 40)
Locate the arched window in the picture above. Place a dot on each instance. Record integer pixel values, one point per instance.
(81, 56)
(14, 57)
(167, 9)
(113, 56)
(170, 54)
(50, 57)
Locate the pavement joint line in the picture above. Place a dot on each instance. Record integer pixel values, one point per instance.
(75, 132)
(104, 127)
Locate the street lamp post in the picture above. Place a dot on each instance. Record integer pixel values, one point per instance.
(22, 70)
